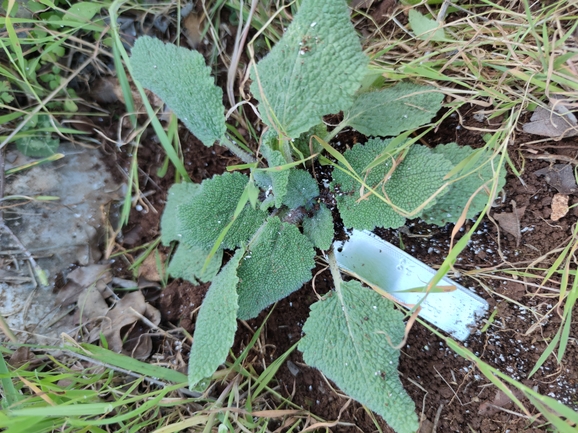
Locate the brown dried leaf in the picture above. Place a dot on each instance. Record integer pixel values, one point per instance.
(81, 278)
(559, 206)
(149, 270)
(561, 177)
(510, 221)
(124, 313)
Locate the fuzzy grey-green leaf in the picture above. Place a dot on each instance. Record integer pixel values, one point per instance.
(202, 220)
(277, 262)
(319, 228)
(300, 189)
(390, 111)
(188, 263)
(216, 325)
(314, 70)
(479, 170)
(182, 80)
(278, 179)
(349, 337)
(412, 185)
(179, 193)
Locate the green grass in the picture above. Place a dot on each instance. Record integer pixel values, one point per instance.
(501, 61)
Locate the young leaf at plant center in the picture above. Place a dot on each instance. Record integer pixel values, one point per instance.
(178, 194)
(203, 218)
(319, 228)
(188, 263)
(425, 28)
(275, 180)
(450, 206)
(278, 261)
(305, 145)
(182, 80)
(390, 111)
(349, 336)
(38, 144)
(417, 178)
(301, 189)
(314, 70)
(217, 322)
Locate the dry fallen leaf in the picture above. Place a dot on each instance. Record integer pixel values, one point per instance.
(559, 206)
(560, 176)
(510, 221)
(149, 270)
(127, 312)
(557, 122)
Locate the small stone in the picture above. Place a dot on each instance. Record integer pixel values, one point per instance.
(559, 206)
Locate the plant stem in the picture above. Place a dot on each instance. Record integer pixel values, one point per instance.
(237, 151)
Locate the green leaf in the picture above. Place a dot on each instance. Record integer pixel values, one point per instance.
(179, 193)
(426, 28)
(278, 261)
(307, 146)
(216, 325)
(276, 180)
(202, 219)
(302, 188)
(417, 178)
(390, 111)
(183, 81)
(349, 337)
(38, 143)
(314, 70)
(82, 11)
(477, 171)
(188, 262)
(319, 228)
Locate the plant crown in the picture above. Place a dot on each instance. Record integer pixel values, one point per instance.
(274, 218)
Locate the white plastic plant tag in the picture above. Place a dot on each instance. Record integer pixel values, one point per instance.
(393, 270)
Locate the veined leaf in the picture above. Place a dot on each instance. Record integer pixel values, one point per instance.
(216, 325)
(212, 208)
(319, 228)
(472, 175)
(349, 336)
(390, 111)
(179, 193)
(277, 262)
(183, 81)
(314, 70)
(188, 263)
(412, 185)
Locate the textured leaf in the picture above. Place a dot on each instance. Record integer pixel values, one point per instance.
(390, 111)
(346, 337)
(188, 262)
(212, 208)
(276, 180)
(182, 80)
(300, 190)
(450, 206)
(412, 183)
(276, 264)
(308, 147)
(313, 70)
(319, 228)
(179, 193)
(216, 325)
(425, 28)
